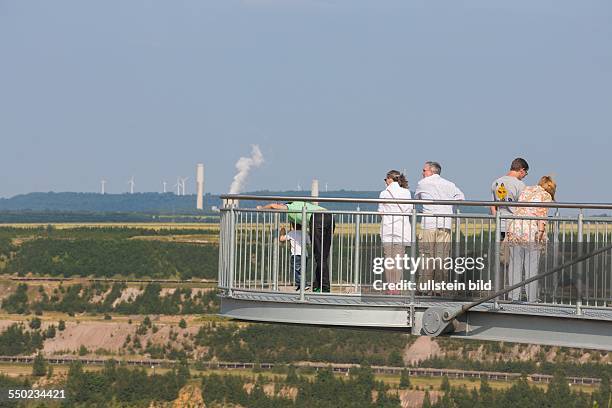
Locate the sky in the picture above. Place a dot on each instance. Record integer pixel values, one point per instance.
(336, 90)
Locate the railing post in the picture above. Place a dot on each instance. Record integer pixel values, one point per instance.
(413, 250)
(458, 237)
(221, 266)
(496, 255)
(579, 287)
(357, 249)
(303, 274)
(231, 254)
(275, 252)
(555, 249)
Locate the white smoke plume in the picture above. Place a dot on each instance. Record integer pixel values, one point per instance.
(244, 166)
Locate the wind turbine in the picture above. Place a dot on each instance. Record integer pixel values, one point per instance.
(178, 186)
(299, 187)
(183, 180)
(326, 187)
(164, 183)
(103, 183)
(131, 183)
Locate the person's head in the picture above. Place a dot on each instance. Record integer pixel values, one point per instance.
(549, 185)
(430, 168)
(399, 178)
(520, 168)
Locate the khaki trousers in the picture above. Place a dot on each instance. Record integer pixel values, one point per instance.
(434, 243)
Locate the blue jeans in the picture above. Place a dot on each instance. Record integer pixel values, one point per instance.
(296, 263)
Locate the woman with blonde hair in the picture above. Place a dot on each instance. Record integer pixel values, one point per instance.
(527, 238)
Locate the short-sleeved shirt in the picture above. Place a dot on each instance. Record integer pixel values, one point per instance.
(506, 188)
(524, 231)
(295, 240)
(295, 211)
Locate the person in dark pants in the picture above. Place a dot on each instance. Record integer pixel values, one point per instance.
(321, 229)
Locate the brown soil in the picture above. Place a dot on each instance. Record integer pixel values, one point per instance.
(423, 348)
(414, 399)
(93, 335)
(126, 294)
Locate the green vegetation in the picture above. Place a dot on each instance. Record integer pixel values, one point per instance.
(39, 367)
(107, 252)
(404, 379)
(325, 390)
(78, 298)
(362, 390)
(111, 257)
(120, 385)
(15, 340)
(283, 344)
(572, 368)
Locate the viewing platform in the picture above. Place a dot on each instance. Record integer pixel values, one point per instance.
(569, 302)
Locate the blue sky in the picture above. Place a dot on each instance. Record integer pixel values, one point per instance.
(338, 90)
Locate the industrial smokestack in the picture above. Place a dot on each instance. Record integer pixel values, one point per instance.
(200, 186)
(314, 189)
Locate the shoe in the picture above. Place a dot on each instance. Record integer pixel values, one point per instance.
(297, 289)
(317, 290)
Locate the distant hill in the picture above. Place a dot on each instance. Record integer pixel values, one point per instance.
(94, 202)
(154, 203)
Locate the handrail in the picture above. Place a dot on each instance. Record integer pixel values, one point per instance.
(460, 215)
(452, 315)
(465, 203)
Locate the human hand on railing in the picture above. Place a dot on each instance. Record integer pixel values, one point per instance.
(541, 236)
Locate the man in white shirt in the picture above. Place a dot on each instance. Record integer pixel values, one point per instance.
(435, 233)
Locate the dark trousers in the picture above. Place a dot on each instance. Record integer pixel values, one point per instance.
(321, 232)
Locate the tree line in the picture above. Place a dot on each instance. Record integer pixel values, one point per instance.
(79, 298)
(361, 390)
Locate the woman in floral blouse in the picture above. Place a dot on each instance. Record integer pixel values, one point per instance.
(528, 237)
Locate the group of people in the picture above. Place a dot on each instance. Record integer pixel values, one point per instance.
(522, 238)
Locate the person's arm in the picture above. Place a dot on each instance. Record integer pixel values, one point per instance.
(381, 206)
(493, 208)
(272, 206)
(409, 207)
(420, 193)
(541, 234)
(458, 194)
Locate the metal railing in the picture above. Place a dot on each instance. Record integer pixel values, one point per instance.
(253, 258)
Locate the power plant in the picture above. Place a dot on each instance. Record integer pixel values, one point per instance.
(200, 186)
(314, 188)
